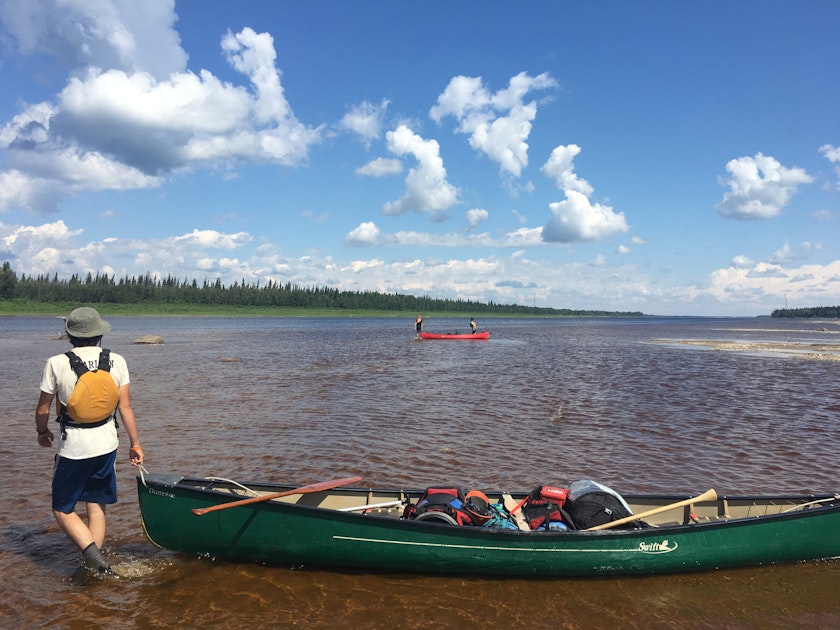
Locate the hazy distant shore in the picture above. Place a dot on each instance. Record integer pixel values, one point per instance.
(154, 309)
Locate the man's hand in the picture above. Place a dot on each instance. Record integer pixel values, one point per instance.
(45, 439)
(135, 454)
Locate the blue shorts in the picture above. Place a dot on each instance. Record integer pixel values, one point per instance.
(91, 480)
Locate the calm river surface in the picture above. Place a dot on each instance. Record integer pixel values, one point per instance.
(544, 401)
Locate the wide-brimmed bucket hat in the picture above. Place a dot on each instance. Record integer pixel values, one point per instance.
(85, 322)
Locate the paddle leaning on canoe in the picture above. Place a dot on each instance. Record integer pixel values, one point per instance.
(338, 524)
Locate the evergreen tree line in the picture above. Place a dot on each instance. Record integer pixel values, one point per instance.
(104, 289)
(827, 312)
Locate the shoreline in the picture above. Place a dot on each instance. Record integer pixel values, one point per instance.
(26, 309)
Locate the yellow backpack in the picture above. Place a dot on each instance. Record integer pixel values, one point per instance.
(94, 399)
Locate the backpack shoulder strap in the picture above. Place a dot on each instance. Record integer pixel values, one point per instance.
(76, 363)
(79, 368)
(105, 360)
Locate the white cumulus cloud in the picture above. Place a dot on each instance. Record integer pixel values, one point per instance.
(427, 190)
(364, 235)
(365, 120)
(212, 238)
(577, 219)
(787, 254)
(123, 34)
(831, 153)
(560, 167)
(475, 217)
(773, 284)
(130, 112)
(253, 55)
(380, 167)
(760, 187)
(498, 124)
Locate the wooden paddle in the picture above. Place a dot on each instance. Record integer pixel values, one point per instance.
(314, 487)
(512, 506)
(709, 495)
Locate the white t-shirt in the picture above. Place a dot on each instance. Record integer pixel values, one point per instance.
(60, 379)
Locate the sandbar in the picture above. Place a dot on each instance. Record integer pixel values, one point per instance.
(813, 351)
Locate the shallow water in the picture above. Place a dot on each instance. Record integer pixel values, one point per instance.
(544, 401)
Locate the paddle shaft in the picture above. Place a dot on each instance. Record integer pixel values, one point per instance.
(371, 506)
(314, 487)
(709, 495)
(511, 506)
(518, 505)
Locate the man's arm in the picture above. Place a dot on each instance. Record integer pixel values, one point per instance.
(130, 424)
(42, 418)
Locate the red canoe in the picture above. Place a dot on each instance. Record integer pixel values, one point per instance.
(478, 336)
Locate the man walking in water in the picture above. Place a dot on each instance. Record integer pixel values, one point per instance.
(87, 449)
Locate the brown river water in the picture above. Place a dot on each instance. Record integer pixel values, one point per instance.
(542, 402)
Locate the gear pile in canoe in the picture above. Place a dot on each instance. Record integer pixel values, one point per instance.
(580, 530)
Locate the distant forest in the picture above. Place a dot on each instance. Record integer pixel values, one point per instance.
(104, 289)
(827, 312)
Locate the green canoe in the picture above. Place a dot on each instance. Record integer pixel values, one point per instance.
(354, 527)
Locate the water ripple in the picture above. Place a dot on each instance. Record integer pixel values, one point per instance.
(542, 402)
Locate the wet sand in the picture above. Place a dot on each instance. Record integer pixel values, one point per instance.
(813, 351)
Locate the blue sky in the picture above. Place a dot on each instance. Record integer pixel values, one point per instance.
(672, 158)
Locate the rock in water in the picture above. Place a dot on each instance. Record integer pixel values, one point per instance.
(149, 339)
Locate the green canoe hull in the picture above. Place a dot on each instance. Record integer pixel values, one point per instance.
(287, 533)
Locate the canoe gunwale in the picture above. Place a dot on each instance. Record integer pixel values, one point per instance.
(175, 482)
(306, 535)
